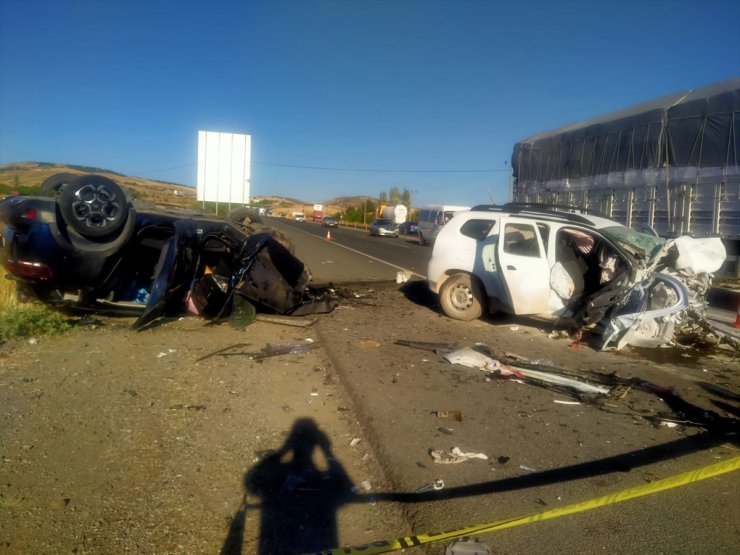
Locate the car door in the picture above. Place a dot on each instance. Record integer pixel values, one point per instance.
(174, 272)
(524, 266)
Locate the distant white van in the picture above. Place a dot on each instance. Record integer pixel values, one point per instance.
(433, 218)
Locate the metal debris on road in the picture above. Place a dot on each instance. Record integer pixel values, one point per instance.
(437, 485)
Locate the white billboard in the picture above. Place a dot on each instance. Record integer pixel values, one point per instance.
(224, 167)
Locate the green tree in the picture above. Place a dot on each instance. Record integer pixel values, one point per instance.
(395, 195)
(383, 197)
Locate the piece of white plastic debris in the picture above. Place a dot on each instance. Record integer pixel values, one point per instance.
(354, 441)
(559, 402)
(514, 328)
(33, 341)
(527, 468)
(160, 355)
(309, 340)
(455, 456)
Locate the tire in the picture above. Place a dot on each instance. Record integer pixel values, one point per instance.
(94, 206)
(461, 298)
(421, 239)
(53, 185)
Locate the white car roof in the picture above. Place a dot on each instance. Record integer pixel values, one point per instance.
(589, 220)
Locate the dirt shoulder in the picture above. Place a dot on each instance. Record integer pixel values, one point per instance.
(179, 439)
(121, 442)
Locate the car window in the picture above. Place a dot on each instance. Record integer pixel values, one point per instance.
(635, 242)
(477, 229)
(521, 239)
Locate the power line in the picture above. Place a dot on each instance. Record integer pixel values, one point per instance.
(324, 168)
(327, 168)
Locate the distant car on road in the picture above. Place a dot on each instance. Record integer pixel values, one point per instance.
(409, 228)
(384, 228)
(329, 221)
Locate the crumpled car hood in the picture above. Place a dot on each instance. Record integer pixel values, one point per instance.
(648, 309)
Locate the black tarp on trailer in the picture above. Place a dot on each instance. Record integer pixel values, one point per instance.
(672, 162)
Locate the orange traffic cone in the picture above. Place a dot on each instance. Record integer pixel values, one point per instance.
(328, 235)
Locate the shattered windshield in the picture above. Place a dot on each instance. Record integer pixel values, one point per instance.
(639, 244)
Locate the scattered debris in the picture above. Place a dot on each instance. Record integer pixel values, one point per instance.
(448, 414)
(367, 343)
(270, 350)
(403, 277)
(472, 359)
(438, 348)
(559, 402)
(437, 485)
(285, 320)
(446, 431)
(527, 468)
(169, 352)
(455, 456)
(468, 547)
(354, 441)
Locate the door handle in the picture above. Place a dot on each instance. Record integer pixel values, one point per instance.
(510, 267)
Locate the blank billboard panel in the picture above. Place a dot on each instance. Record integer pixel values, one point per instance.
(224, 167)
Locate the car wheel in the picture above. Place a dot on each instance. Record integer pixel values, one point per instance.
(421, 239)
(461, 297)
(52, 186)
(93, 205)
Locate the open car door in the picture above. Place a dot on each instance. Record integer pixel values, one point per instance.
(524, 266)
(173, 274)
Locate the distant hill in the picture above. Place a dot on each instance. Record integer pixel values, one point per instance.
(27, 177)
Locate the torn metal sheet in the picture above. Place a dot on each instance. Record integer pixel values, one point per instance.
(641, 325)
(580, 388)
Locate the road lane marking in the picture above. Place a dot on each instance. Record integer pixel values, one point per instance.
(368, 256)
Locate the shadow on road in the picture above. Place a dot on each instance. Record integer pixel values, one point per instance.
(300, 496)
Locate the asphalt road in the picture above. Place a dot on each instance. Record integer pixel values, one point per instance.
(381, 258)
(542, 455)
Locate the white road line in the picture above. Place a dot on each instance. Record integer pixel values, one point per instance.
(369, 256)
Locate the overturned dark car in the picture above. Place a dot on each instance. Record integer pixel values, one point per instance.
(86, 246)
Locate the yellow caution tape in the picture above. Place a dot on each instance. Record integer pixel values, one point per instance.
(386, 546)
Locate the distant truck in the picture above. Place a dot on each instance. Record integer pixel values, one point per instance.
(397, 214)
(318, 212)
(670, 165)
(299, 217)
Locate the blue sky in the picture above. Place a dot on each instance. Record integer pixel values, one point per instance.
(425, 95)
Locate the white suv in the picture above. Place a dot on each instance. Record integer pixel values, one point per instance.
(585, 269)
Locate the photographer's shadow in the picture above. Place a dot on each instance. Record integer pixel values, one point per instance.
(300, 496)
